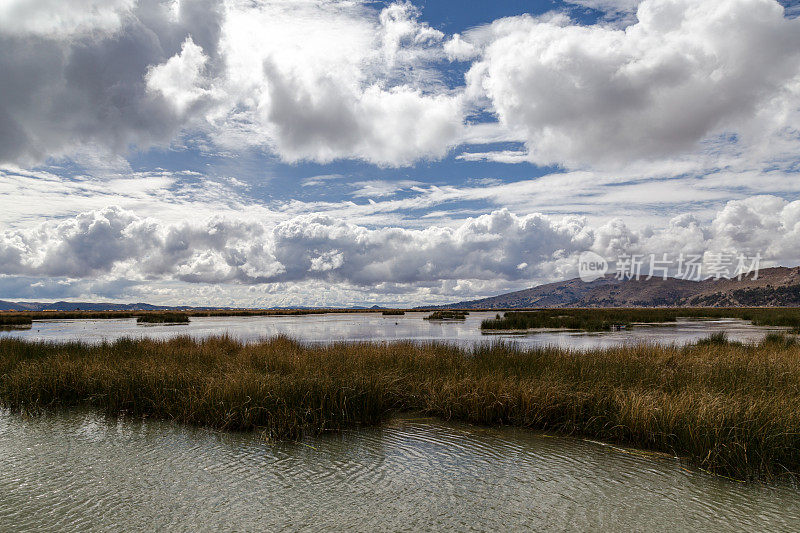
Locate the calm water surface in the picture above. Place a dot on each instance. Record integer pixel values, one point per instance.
(78, 471)
(374, 326)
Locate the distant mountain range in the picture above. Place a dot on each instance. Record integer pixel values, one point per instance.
(773, 287)
(108, 306)
(88, 306)
(778, 286)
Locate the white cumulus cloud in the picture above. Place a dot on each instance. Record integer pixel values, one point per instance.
(179, 78)
(114, 245)
(321, 81)
(47, 18)
(685, 72)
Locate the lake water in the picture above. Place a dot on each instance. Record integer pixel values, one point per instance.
(78, 471)
(374, 326)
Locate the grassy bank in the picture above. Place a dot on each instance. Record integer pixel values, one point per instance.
(730, 409)
(606, 319)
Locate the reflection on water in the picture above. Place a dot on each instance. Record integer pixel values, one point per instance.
(373, 326)
(78, 471)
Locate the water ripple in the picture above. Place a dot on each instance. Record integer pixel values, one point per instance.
(79, 471)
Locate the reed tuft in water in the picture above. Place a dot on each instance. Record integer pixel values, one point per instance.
(15, 320)
(719, 338)
(447, 315)
(731, 409)
(163, 318)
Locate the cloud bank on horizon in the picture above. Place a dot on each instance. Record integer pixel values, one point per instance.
(257, 152)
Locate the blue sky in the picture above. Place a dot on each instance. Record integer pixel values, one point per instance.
(276, 153)
(271, 179)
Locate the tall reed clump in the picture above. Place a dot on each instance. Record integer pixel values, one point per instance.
(719, 338)
(15, 320)
(163, 318)
(583, 319)
(731, 409)
(447, 315)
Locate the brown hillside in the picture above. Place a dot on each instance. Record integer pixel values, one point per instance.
(779, 286)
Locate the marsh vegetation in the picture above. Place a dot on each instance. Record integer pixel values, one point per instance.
(733, 409)
(15, 320)
(447, 315)
(163, 318)
(607, 319)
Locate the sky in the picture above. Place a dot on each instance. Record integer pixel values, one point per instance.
(260, 153)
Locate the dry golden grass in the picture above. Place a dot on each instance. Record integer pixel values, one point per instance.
(731, 409)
